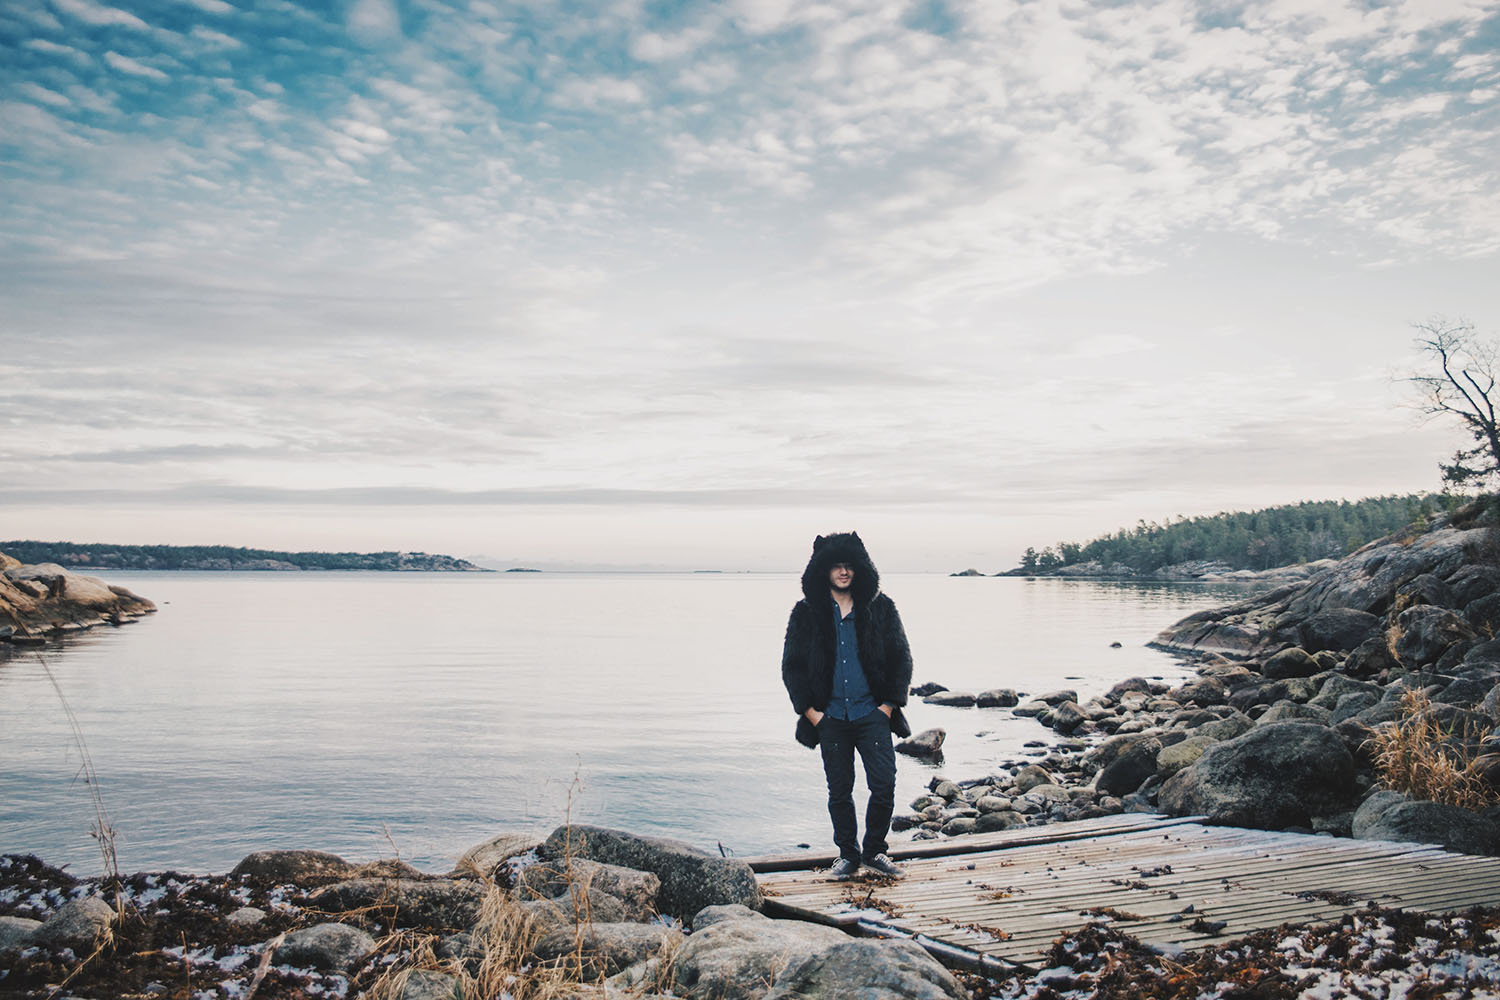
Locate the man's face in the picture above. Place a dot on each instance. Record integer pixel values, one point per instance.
(841, 576)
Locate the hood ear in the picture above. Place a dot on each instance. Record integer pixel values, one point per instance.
(819, 542)
(855, 535)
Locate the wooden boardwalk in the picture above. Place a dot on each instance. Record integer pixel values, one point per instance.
(1172, 883)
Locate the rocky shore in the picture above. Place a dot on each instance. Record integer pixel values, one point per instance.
(37, 600)
(596, 913)
(1299, 690)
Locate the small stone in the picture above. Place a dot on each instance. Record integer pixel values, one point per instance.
(245, 916)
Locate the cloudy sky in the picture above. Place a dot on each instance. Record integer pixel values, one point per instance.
(686, 283)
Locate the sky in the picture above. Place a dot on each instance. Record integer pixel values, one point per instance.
(682, 285)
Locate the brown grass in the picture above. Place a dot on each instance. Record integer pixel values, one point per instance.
(1427, 761)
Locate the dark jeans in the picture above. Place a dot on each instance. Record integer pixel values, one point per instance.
(839, 739)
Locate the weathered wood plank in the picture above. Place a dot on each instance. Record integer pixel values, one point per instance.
(1249, 879)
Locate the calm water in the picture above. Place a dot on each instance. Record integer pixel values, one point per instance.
(347, 712)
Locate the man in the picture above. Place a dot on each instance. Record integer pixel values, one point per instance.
(846, 665)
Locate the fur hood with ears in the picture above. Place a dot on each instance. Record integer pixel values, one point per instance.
(830, 550)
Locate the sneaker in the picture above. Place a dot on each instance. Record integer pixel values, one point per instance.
(882, 864)
(843, 870)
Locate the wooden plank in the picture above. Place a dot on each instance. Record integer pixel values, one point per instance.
(1248, 879)
(974, 843)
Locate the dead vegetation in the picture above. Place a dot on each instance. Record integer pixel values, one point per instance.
(1426, 760)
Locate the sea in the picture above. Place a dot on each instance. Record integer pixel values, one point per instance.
(413, 715)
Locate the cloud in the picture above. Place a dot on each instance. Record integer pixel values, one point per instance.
(373, 22)
(212, 6)
(100, 15)
(43, 95)
(588, 93)
(134, 67)
(53, 48)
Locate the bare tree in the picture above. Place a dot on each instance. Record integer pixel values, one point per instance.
(1463, 386)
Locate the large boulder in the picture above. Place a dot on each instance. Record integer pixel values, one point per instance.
(1484, 613)
(1423, 633)
(485, 857)
(636, 889)
(1339, 629)
(1338, 685)
(16, 932)
(1449, 827)
(1274, 776)
(440, 904)
(332, 947)
(1293, 662)
(690, 879)
(80, 924)
(1170, 760)
(1129, 769)
(1425, 589)
(927, 743)
(604, 948)
(46, 595)
(953, 699)
(1473, 582)
(736, 954)
(1065, 717)
(296, 867)
(997, 698)
(1376, 803)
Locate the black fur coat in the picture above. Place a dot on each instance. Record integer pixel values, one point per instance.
(808, 655)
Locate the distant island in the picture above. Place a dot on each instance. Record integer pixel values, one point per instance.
(94, 555)
(1242, 544)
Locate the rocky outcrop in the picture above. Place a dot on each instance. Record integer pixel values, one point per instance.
(42, 598)
(737, 954)
(690, 879)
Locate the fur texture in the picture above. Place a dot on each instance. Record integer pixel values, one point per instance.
(811, 641)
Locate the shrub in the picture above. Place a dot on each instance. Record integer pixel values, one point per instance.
(1426, 760)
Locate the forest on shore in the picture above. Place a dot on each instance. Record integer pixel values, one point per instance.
(1254, 540)
(75, 555)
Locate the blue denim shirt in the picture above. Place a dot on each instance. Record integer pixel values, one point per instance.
(851, 692)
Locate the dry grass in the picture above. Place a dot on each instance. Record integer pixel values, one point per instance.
(1425, 760)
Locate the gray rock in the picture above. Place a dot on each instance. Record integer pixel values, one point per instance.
(1449, 827)
(1490, 703)
(1371, 808)
(1202, 691)
(488, 855)
(245, 916)
(993, 803)
(1484, 613)
(299, 867)
(1350, 705)
(997, 698)
(1473, 582)
(743, 956)
(574, 907)
(948, 791)
(605, 948)
(1293, 662)
(1140, 685)
(959, 825)
(1423, 633)
(1381, 711)
(1288, 711)
(1174, 758)
(1372, 656)
(1066, 717)
(1273, 777)
(1425, 589)
(1338, 685)
(953, 699)
(636, 889)
(1464, 692)
(1226, 728)
(1058, 697)
(1031, 708)
(927, 743)
(428, 984)
(1004, 819)
(1033, 775)
(331, 947)
(690, 879)
(1047, 794)
(78, 924)
(1129, 769)
(441, 904)
(16, 933)
(1341, 629)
